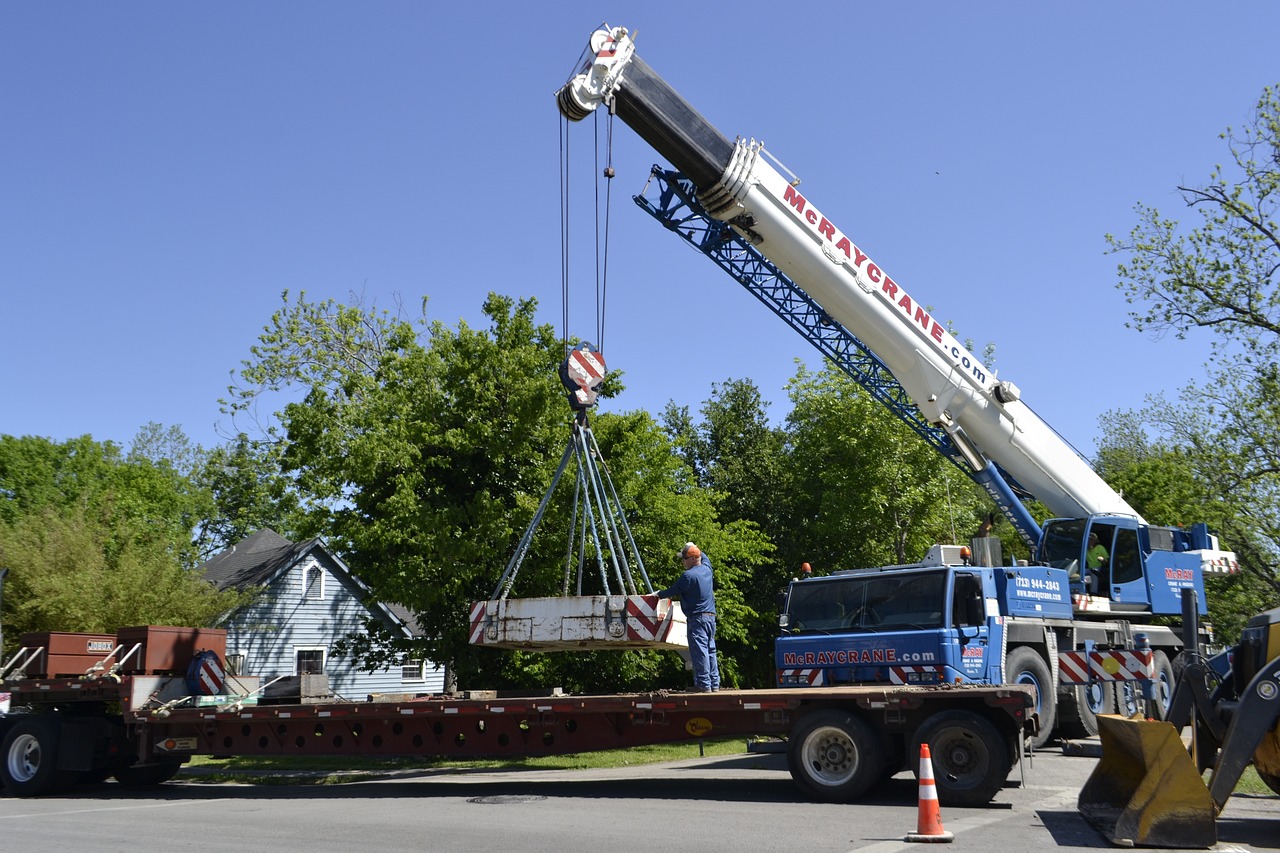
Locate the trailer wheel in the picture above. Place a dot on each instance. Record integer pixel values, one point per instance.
(30, 752)
(834, 756)
(1129, 694)
(1024, 666)
(147, 775)
(970, 759)
(1079, 707)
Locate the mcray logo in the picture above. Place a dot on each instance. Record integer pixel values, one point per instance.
(839, 243)
(830, 657)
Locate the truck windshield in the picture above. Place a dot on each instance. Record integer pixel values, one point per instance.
(867, 602)
(1063, 541)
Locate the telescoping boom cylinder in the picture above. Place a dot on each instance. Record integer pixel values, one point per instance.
(736, 184)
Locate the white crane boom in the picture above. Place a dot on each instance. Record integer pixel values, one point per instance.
(983, 415)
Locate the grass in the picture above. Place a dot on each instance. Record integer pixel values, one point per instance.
(1250, 783)
(339, 769)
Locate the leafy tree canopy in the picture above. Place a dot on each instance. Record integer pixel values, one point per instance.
(96, 539)
(421, 451)
(866, 490)
(1221, 275)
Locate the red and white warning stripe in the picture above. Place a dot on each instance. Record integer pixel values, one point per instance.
(478, 612)
(1121, 665)
(585, 369)
(1073, 667)
(210, 676)
(902, 674)
(811, 677)
(608, 49)
(1113, 665)
(647, 618)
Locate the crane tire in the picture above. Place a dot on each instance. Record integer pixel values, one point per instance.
(1129, 694)
(1079, 706)
(1023, 665)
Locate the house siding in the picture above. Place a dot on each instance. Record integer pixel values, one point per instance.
(290, 615)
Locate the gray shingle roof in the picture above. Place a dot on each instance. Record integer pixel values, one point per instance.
(254, 560)
(406, 616)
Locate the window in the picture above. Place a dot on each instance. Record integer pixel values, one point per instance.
(413, 670)
(1126, 559)
(1062, 542)
(967, 607)
(308, 661)
(235, 664)
(312, 581)
(867, 602)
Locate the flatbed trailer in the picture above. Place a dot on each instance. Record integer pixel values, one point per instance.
(141, 729)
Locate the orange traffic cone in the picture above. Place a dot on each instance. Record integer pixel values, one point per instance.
(929, 823)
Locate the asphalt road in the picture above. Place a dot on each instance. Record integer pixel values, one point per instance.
(725, 804)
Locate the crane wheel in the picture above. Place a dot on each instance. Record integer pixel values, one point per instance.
(1024, 666)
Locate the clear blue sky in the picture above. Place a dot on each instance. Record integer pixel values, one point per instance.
(170, 168)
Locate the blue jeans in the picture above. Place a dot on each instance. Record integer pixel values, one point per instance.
(702, 651)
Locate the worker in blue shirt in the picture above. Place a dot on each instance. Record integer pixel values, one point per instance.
(695, 589)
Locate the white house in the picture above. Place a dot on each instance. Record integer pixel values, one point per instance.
(310, 601)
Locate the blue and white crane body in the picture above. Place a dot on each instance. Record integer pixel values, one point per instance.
(733, 193)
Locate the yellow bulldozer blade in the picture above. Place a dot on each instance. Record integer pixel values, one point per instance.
(1145, 791)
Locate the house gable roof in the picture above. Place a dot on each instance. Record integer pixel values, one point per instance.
(254, 560)
(260, 558)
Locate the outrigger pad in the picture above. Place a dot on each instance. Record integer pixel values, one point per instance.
(611, 622)
(1145, 790)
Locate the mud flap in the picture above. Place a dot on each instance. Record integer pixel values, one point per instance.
(1145, 790)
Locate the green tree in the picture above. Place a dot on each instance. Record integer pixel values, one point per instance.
(865, 490)
(146, 485)
(740, 455)
(740, 458)
(422, 451)
(1222, 276)
(249, 493)
(96, 539)
(75, 571)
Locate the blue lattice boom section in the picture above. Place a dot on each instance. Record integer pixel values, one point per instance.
(678, 210)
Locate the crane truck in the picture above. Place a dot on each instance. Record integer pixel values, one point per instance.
(1067, 624)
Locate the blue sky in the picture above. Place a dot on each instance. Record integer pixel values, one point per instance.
(168, 169)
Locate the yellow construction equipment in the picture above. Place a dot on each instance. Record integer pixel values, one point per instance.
(1148, 789)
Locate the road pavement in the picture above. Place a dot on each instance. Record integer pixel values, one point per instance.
(738, 804)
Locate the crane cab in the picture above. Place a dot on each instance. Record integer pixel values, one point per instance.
(1116, 563)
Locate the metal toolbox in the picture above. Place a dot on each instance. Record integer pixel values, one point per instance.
(162, 649)
(64, 654)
